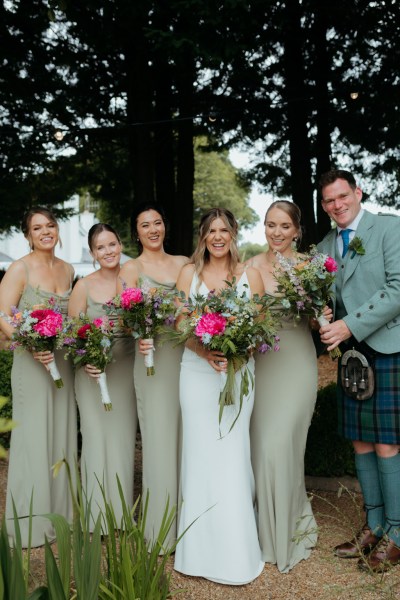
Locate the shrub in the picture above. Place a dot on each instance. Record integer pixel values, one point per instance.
(328, 454)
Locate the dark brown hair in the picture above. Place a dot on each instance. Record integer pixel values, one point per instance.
(36, 210)
(333, 174)
(98, 228)
(137, 211)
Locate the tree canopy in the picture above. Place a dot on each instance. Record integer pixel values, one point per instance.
(130, 85)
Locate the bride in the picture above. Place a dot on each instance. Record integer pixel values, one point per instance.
(217, 480)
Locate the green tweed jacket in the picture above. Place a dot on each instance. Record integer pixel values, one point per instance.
(371, 282)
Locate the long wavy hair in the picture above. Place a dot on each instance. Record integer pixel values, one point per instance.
(201, 255)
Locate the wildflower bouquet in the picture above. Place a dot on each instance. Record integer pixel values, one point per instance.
(235, 325)
(88, 342)
(144, 312)
(305, 286)
(36, 330)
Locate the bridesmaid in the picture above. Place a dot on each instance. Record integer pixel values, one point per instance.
(46, 416)
(108, 438)
(157, 395)
(286, 388)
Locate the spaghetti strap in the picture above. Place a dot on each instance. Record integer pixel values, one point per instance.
(26, 271)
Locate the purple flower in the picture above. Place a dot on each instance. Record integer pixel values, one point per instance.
(264, 348)
(170, 320)
(276, 348)
(277, 338)
(300, 304)
(80, 352)
(68, 341)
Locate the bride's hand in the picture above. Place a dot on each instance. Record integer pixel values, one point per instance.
(92, 371)
(217, 360)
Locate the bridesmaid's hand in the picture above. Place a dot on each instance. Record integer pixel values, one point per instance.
(92, 371)
(45, 357)
(145, 346)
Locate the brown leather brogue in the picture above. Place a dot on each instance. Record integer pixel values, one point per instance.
(361, 545)
(384, 556)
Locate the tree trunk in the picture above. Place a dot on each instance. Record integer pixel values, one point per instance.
(182, 230)
(139, 110)
(323, 115)
(298, 119)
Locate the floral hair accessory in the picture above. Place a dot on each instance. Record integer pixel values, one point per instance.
(356, 246)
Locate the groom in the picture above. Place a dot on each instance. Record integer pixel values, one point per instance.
(367, 309)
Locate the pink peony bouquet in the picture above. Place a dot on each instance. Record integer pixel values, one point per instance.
(144, 312)
(235, 325)
(89, 342)
(37, 330)
(304, 286)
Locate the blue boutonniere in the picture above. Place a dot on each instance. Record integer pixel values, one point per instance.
(356, 246)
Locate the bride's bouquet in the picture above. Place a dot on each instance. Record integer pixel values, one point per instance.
(235, 325)
(144, 312)
(88, 342)
(36, 330)
(305, 286)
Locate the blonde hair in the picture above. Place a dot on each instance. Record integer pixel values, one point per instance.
(201, 255)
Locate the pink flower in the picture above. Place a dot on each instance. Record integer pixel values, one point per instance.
(330, 265)
(131, 296)
(211, 323)
(50, 325)
(98, 322)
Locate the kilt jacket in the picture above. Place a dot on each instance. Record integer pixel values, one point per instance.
(371, 282)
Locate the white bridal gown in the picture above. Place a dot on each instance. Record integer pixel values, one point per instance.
(217, 480)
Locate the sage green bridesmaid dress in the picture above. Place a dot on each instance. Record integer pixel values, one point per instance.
(159, 418)
(46, 432)
(108, 437)
(285, 394)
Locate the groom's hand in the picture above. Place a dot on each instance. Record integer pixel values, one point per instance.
(334, 333)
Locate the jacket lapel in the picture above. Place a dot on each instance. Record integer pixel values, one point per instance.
(363, 231)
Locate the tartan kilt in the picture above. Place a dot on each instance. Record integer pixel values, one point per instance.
(375, 420)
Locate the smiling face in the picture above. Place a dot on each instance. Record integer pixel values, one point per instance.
(42, 232)
(150, 229)
(106, 249)
(280, 230)
(219, 238)
(341, 202)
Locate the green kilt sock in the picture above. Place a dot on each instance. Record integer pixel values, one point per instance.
(389, 473)
(368, 477)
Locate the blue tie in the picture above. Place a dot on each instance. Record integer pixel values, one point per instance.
(345, 233)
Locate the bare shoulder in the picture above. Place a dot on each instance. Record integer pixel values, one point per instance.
(255, 280)
(256, 261)
(180, 261)
(16, 274)
(185, 276)
(130, 271)
(67, 267)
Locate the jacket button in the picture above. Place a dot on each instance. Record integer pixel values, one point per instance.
(371, 306)
(382, 295)
(394, 320)
(358, 315)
